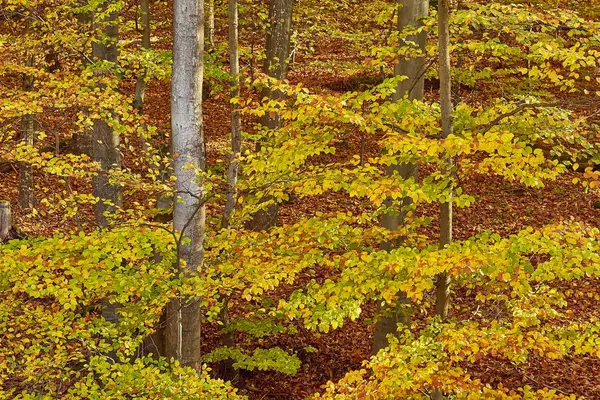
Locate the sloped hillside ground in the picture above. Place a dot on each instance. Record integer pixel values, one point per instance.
(501, 206)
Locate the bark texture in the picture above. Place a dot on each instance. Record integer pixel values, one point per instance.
(211, 23)
(278, 50)
(183, 316)
(7, 230)
(5, 221)
(105, 141)
(410, 13)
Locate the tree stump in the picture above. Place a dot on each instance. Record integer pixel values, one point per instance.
(5, 220)
(7, 230)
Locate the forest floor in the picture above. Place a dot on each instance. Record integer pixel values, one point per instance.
(501, 206)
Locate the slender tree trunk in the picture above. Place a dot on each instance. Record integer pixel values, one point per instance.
(229, 373)
(140, 84)
(26, 197)
(236, 117)
(211, 24)
(410, 13)
(183, 316)
(228, 338)
(276, 66)
(443, 280)
(447, 128)
(105, 141)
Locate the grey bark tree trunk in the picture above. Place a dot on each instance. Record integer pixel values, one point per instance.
(5, 220)
(410, 13)
(7, 230)
(105, 141)
(236, 117)
(26, 197)
(211, 23)
(228, 338)
(443, 280)
(183, 316)
(140, 84)
(279, 37)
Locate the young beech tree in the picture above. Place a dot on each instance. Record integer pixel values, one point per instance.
(182, 335)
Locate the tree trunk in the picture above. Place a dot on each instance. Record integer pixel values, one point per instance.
(443, 280)
(105, 141)
(410, 12)
(228, 338)
(140, 84)
(7, 230)
(5, 220)
(278, 50)
(211, 24)
(183, 315)
(105, 144)
(236, 117)
(447, 128)
(276, 66)
(26, 198)
(81, 142)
